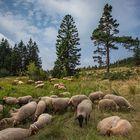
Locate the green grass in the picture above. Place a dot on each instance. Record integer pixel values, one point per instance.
(64, 126)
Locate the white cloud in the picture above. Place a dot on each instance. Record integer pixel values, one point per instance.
(86, 14)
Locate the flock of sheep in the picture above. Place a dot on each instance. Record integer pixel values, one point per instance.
(35, 109)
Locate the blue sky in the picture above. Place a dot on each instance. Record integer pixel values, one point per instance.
(40, 20)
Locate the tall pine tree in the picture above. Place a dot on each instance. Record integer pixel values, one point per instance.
(5, 56)
(33, 53)
(66, 48)
(103, 35)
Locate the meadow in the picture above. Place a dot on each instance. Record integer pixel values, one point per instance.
(122, 81)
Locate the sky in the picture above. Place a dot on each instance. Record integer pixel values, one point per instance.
(41, 19)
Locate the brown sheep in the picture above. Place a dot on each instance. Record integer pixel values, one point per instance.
(107, 104)
(98, 95)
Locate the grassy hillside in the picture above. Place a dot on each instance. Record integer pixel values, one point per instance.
(64, 126)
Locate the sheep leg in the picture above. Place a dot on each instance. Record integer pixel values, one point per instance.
(86, 119)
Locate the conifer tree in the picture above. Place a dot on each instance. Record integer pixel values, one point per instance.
(66, 48)
(103, 35)
(33, 53)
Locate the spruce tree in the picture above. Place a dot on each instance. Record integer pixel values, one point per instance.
(33, 53)
(66, 48)
(5, 56)
(103, 35)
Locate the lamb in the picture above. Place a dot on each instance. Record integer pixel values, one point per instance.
(15, 134)
(120, 101)
(41, 122)
(123, 127)
(41, 106)
(1, 108)
(24, 99)
(15, 82)
(83, 111)
(107, 104)
(39, 82)
(60, 104)
(39, 85)
(98, 95)
(24, 112)
(107, 123)
(10, 100)
(76, 99)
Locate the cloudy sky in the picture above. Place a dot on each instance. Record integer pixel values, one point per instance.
(40, 20)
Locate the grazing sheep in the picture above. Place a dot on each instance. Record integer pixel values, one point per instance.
(55, 85)
(20, 82)
(10, 100)
(110, 96)
(48, 101)
(64, 94)
(15, 82)
(98, 95)
(15, 134)
(41, 106)
(30, 82)
(107, 104)
(41, 122)
(1, 108)
(61, 87)
(39, 82)
(53, 79)
(40, 85)
(123, 127)
(24, 99)
(76, 99)
(24, 112)
(54, 96)
(7, 121)
(120, 101)
(107, 123)
(60, 104)
(83, 111)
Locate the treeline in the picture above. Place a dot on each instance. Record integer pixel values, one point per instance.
(15, 60)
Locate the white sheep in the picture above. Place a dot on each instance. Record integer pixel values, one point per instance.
(83, 111)
(120, 101)
(30, 82)
(41, 106)
(48, 101)
(20, 82)
(123, 127)
(24, 99)
(39, 82)
(98, 95)
(107, 104)
(10, 100)
(107, 123)
(76, 99)
(40, 85)
(60, 104)
(61, 87)
(41, 122)
(7, 121)
(15, 134)
(24, 112)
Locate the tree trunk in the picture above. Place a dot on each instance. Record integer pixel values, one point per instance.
(107, 58)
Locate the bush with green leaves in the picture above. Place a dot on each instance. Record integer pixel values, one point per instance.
(117, 75)
(36, 73)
